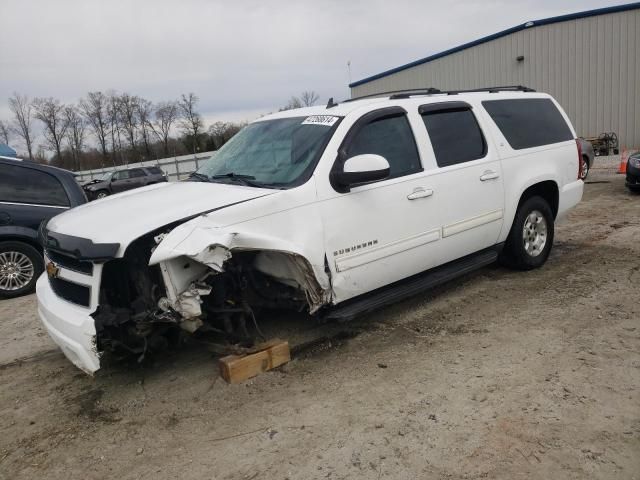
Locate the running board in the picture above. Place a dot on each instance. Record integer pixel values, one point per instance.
(413, 285)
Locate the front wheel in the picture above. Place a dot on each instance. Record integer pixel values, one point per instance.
(531, 237)
(20, 267)
(102, 194)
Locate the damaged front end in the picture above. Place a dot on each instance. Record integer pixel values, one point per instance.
(182, 281)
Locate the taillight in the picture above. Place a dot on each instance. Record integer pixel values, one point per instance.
(580, 172)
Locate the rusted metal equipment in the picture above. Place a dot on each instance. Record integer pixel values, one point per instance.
(605, 144)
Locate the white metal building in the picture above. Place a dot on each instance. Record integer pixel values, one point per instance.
(589, 61)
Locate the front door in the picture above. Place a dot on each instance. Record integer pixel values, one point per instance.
(120, 181)
(387, 230)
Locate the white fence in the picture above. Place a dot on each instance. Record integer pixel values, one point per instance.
(177, 168)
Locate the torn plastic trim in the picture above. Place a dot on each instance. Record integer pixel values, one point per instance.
(212, 247)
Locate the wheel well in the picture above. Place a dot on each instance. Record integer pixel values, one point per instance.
(17, 238)
(586, 157)
(547, 190)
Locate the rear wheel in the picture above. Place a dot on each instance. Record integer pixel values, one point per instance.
(20, 267)
(584, 169)
(531, 236)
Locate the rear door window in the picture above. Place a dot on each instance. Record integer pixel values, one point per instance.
(528, 122)
(136, 172)
(392, 138)
(154, 170)
(455, 135)
(27, 185)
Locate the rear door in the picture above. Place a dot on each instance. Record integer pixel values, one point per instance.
(468, 179)
(28, 196)
(137, 178)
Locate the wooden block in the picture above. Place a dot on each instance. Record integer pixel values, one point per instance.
(237, 368)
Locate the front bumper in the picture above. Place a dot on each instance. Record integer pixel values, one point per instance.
(90, 194)
(633, 177)
(70, 326)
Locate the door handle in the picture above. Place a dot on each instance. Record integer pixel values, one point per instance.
(489, 175)
(420, 193)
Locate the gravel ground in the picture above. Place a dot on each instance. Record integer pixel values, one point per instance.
(498, 375)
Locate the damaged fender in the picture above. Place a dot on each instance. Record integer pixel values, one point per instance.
(192, 250)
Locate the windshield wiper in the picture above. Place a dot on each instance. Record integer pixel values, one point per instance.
(200, 176)
(244, 179)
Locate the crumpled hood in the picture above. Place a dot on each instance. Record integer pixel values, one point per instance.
(124, 217)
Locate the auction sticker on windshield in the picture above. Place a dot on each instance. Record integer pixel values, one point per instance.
(327, 120)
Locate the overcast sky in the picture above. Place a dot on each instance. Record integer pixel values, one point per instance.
(242, 58)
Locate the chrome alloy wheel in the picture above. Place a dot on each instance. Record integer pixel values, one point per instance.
(584, 169)
(534, 233)
(16, 270)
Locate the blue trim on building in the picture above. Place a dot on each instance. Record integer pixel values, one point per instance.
(503, 33)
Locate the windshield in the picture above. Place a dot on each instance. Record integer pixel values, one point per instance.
(271, 153)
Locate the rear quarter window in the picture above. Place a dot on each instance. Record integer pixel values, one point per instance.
(527, 123)
(154, 171)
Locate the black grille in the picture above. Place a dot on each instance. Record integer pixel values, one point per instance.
(71, 263)
(72, 292)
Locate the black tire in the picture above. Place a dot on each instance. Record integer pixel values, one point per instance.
(514, 254)
(102, 194)
(35, 259)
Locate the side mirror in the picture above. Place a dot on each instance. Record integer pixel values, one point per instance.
(360, 169)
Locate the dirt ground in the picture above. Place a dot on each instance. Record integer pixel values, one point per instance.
(499, 375)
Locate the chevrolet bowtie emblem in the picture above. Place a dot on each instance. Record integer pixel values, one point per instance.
(52, 270)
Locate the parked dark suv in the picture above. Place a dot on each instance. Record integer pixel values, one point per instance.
(29, 194)
(122, 180)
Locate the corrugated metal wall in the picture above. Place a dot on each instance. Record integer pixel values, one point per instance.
(590, 65)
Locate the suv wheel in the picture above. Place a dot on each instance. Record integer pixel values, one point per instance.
(531, 235)
(102, 194)
(20, 267)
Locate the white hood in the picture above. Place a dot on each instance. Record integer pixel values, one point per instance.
(124, 217)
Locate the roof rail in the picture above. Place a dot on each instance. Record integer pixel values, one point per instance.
(394, 92)
(408, 93)
(428, 91)
(504, 88)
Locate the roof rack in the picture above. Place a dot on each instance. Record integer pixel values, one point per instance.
(504, 88)
(393, 92)
(408, 93)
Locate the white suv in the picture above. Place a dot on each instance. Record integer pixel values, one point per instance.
(335, 210)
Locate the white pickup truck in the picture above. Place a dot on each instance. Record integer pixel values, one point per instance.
(336, 210)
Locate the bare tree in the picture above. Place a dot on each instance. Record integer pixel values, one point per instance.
(75, 133)
(294, 102)
(165, 115)
(51, 113)
(190, 120)
(22, 116)
(128, 110)
(4, 133)
(145, 111)
(309, 98)
(113, 118)
(222, 132)
(94, 108)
